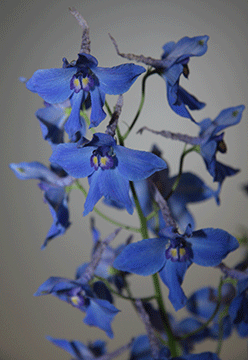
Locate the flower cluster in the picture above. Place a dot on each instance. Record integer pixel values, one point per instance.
(135, 179)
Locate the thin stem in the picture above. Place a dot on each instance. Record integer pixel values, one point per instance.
(176, 182)
(221, 330)
(143, 86)
(105, 217)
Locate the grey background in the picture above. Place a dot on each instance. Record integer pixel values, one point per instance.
(38, 34)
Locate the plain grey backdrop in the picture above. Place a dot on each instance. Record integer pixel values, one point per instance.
(38, 34)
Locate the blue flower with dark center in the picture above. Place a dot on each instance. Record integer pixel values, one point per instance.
(172, 254)
(99, 311)
(78, 79)
(108, 166)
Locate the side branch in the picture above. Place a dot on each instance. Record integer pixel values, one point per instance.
(85, 45)
(158, 64)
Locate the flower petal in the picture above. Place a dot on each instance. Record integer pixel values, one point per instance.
(94, 194)
(145, 257)
(97, 102)
(73, 159)
(53, 85)
(211, 246)
(118, 79)
(136, 164)
(172, 275)
(73, 123)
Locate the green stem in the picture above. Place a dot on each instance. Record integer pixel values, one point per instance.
(176, 182)
(143, 86)
(105, 217)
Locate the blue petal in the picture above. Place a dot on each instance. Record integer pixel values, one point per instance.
(226, 118)
(118, 79)
(222, 170)
(172, 275)
(202, 356)
(211, 246)
(145, 257)
(75, 348)
(185, 48)
(200, 302)
(73, 123)
(101, 313)
(101, 139)
(187, 99)
(53, 85)
(86, 60)
(175, 103)
(97, 102)
(114, 186)
(33, 170)
(94, 194)
(137, 165)
(73, 159)
(53, 285)
(52, 119)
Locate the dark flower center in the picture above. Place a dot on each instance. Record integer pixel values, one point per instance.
(82, 80)
(178, 250)
(103, 157)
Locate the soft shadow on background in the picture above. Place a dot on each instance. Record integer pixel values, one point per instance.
(38, 34)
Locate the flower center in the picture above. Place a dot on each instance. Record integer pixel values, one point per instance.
(177, 250)
(82, 81)
(104, 158)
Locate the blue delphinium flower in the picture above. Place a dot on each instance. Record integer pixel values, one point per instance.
(174, 63)
(99, 311)
(212, 141)
(53, 182)
(80, 351)
(109, 168)
(78, 79)
(172, 254)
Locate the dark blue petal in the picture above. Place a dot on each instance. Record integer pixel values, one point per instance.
(73, 123)
(86, 60)
(52, 119)
(225, 328)
(189, 325)
(97, 101)
(53, 285)
(118, 79)
(187, 99)
(172, 275)
(222, 170)
(145, 257)
(94, 194)
(101, 139)
(211, 246)
(200, 302)
(137, 165)
(101, 313)
(53, 85)
(141, 348)
(175, 103)
(73, 159)
(75, 348)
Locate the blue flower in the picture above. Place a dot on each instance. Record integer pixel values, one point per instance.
(80, 351)
(109, 168)
(172, 254)
(53, 182)
(175, 63)
(238, 309)
(78, 79)
(212, 141)
(99, 311)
